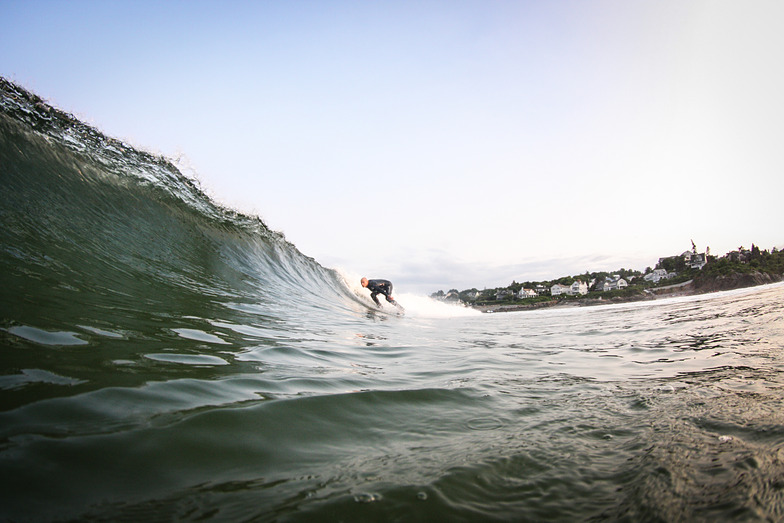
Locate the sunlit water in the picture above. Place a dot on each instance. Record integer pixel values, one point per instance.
(163, 358)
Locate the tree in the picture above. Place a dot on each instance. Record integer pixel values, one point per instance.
(672, 264)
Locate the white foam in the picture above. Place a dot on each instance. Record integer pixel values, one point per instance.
(414, 304)
(424, 307)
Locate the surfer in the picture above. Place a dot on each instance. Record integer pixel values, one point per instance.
(380, 287)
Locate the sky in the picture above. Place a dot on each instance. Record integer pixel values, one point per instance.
(441, 144)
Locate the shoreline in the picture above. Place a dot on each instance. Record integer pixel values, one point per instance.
(670, 291)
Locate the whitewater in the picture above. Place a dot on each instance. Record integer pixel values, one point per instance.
(165, 358)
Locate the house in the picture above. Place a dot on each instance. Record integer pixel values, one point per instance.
(694, 259)
(741, 255)
(611, 284)
(618, 283)
(656, 275)
(527, 293)
(578, 287)
(472, 295)
(503, 293)
(697, 261)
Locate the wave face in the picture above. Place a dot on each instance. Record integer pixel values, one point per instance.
(162, 357)
(97, 233)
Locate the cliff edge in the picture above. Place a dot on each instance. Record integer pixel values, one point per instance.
(733, 281)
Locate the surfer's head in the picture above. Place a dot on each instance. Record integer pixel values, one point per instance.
(364, 282)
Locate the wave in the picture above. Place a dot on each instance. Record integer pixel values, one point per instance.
(93, 223)
(166, 357)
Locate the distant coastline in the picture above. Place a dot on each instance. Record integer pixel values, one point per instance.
(686, 274)
(670, 291)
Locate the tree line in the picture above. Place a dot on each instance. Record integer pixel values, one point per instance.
(740, 261)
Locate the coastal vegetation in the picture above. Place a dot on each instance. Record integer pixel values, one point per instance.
(689, 272)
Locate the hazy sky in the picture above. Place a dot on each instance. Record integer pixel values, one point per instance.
(442, 144)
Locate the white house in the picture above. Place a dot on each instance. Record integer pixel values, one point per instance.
(611, 284)
(578, 287)
(617, 283)
(527, 293)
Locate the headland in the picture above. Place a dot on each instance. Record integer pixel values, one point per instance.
(686, 274)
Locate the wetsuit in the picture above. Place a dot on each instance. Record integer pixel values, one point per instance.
(380, 287)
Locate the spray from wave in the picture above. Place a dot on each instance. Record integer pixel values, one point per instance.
(416, 306)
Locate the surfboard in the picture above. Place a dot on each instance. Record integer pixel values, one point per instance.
(388, 308)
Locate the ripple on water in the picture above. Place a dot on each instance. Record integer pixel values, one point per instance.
(44, 337)
(187, 359)
(198, 335)
(484, 424)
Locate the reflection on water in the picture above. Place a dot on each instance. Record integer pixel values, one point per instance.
(612, 412)
(164, 358)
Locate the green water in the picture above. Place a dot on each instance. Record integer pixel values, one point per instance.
(163, 358)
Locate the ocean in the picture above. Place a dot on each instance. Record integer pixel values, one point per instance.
(165, 358)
